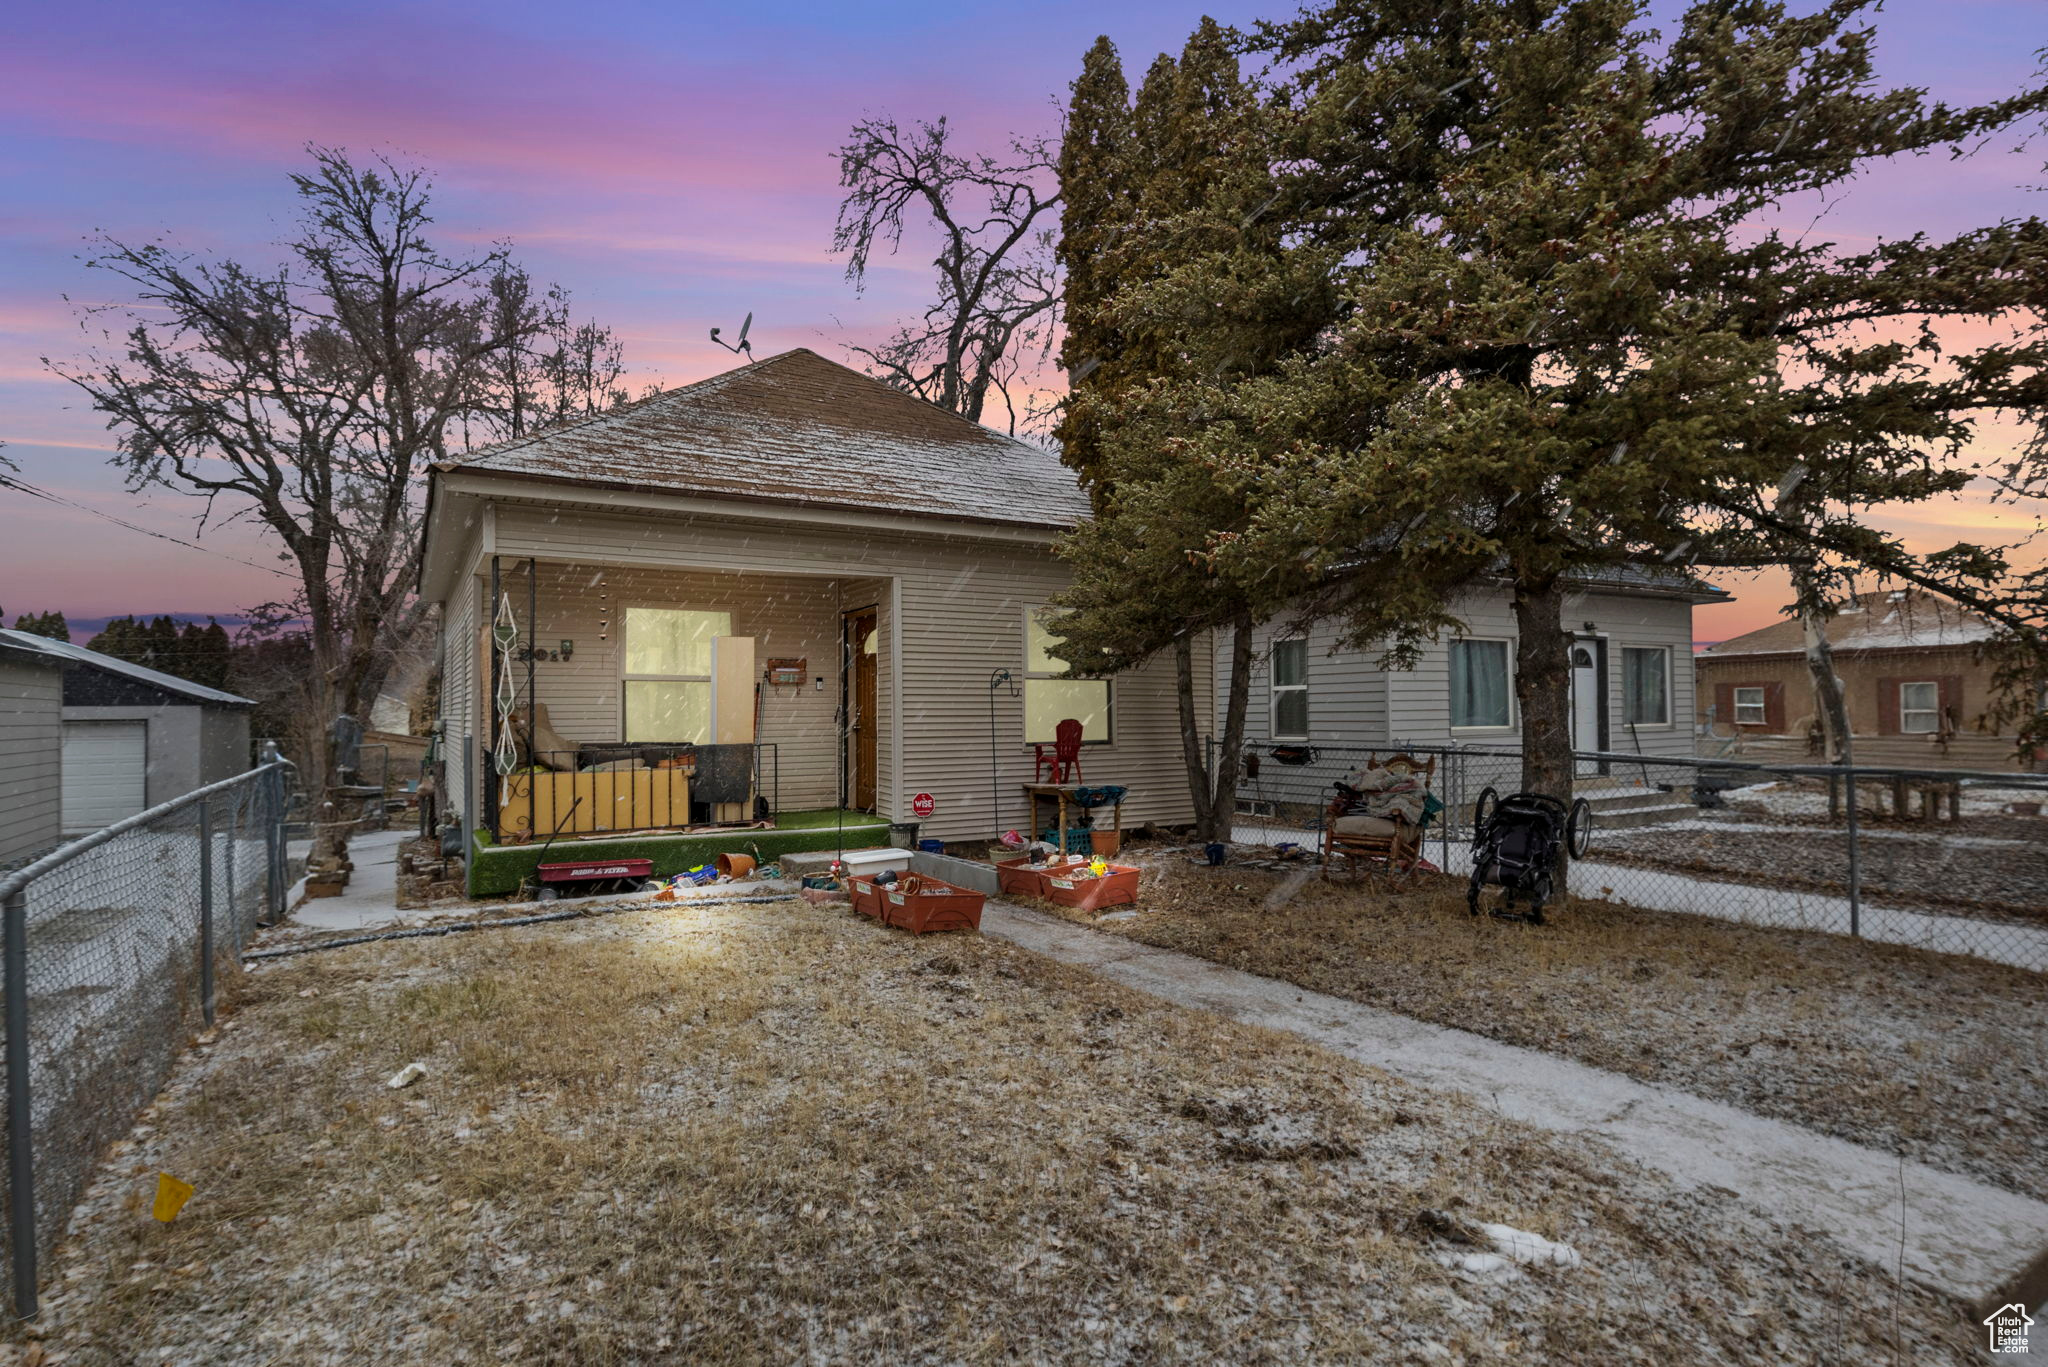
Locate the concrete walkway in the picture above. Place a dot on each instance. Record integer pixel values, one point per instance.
(371, 898)
(1960, 1236)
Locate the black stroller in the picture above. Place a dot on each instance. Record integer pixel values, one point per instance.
(1515, 844)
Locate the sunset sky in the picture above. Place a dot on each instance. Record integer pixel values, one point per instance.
(670, 164)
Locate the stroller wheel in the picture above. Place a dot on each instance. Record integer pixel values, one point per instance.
(1578, 830)
(1483, 806)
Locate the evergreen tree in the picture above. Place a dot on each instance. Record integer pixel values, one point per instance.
(50, 624)
(1557, 343)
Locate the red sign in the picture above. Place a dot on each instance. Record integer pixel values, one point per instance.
(923, 805)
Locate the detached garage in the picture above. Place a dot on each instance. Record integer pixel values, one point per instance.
(135, 737)
(31, 730)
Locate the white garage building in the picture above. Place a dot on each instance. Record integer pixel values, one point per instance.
(133, 737)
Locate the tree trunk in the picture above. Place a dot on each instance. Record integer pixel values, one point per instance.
(1828, 701)
(1214, 795)
(1543, 691)
(1543, 688)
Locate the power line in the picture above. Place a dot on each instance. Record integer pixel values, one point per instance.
(10, 482)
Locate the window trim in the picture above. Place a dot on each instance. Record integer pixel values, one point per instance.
(1507, 644)
(628, 677)
(1274, 689)
(1934, 711)
(1670, 705)
(1763, 704)
(1027, 674)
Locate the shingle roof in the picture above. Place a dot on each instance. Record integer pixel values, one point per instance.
(1902, 619)
(797, 428)
(69, 654)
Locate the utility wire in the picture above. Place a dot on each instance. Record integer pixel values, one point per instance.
(10, 482)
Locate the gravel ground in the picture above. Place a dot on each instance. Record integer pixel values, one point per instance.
(1989, 865)
(783, 1134)
(1940, 1057)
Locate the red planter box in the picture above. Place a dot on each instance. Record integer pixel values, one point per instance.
(1027, 879)
(927, 904)
(1118, 887)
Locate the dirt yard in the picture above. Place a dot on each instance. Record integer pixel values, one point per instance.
(1937, 1056)
(782, 1134)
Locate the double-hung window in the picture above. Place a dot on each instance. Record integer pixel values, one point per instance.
(1290, 689)
(668, 673)
(1479, 684)
(1049, 699)
(1919, 708)
(1749, 707)
(1646, 685)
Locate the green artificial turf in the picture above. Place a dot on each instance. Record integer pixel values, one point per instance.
(499, 870)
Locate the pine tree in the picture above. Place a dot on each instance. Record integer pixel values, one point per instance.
(1557, 349)
(50, 624)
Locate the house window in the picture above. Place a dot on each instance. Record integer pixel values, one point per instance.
(1050, 700)
(1290, 689)
(1749, 707)
(1919, 709)
(668, 673)
(1646, 685)
(1479, 683)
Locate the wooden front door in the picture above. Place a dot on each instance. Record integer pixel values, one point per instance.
(861, 643)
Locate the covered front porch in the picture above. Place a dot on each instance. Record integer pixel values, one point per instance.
(680, 712)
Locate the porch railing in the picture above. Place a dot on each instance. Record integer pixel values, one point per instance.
(621, 788)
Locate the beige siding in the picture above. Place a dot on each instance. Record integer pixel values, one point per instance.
(962, 604)
(1353, 701)
(31, 744)
(459, 691)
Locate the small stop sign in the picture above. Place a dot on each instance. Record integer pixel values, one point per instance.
(923, 805)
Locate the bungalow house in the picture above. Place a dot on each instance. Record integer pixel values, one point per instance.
(729, 564)
(1319, 709)
(1917, 690)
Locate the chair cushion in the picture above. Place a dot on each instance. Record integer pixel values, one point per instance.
(1363, 825)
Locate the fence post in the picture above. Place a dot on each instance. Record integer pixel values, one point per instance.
(206, 907)
(1855, 855)
(21, 1161)
(270, 795)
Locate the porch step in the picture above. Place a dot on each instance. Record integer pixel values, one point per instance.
(1627, 818)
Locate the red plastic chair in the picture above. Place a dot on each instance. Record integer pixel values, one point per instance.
(1065, 760)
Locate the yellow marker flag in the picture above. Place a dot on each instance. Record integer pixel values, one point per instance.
(171, 1196)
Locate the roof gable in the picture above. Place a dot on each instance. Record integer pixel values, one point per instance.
(800, 429)
(70, 655)
(1887, 619)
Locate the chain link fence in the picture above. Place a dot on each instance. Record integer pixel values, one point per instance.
(112, 949)
(1948, 860)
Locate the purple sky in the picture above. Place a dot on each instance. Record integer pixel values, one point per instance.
(670, 164)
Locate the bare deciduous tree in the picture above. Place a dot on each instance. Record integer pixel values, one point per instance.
(313, 396)
(998, 283)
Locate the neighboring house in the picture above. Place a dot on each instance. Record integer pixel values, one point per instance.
(1916, 689)
(1632, 678)
(732, 562)
(31, 749)
(134, 737)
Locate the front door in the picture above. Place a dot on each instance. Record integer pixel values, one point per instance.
(861, 643)
(1586, 698)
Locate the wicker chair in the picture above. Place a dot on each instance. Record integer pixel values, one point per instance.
(1396, 848)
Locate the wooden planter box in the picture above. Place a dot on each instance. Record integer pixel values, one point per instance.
(928, 904)
(1118, 887)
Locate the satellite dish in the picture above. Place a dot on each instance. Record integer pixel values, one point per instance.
(743, 346)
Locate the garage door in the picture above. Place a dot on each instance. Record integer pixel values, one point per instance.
(105, 764)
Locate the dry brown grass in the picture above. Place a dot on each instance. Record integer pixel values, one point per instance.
(781, 1134)
(1938, 1056)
